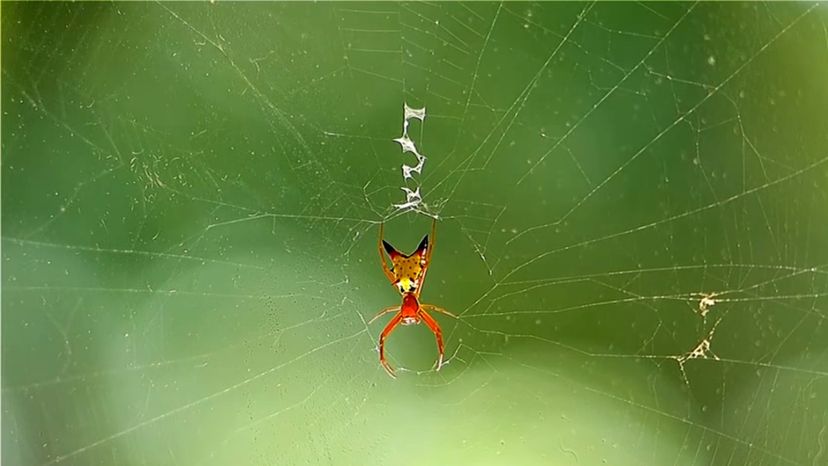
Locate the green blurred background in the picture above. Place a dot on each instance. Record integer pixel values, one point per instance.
(191, 197)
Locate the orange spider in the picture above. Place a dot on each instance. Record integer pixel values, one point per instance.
(407, 274)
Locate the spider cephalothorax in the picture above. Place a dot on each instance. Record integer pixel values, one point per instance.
(407, 274)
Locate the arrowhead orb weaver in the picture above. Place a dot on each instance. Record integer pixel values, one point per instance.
(407, 274)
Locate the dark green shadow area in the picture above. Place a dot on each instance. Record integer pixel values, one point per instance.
(632, 229)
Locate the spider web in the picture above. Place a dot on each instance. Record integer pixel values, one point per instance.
(632, 231)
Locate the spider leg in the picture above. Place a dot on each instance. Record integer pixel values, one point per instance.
(383, 312)
(385, 332)
(435, 329)
(431, 240)
(431, 307)
(388, 274)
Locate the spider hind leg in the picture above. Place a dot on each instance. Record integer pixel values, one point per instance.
(438, 334)
(385, 333)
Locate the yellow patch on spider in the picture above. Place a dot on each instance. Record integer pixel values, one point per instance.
(407, 271)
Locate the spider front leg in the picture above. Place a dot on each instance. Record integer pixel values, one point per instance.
(385, 332)
(438, 334)
(432, 240)
(388, 274)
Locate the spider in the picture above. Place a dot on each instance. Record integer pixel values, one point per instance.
(407, 274)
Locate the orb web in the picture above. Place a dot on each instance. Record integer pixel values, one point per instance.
(631, 226)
